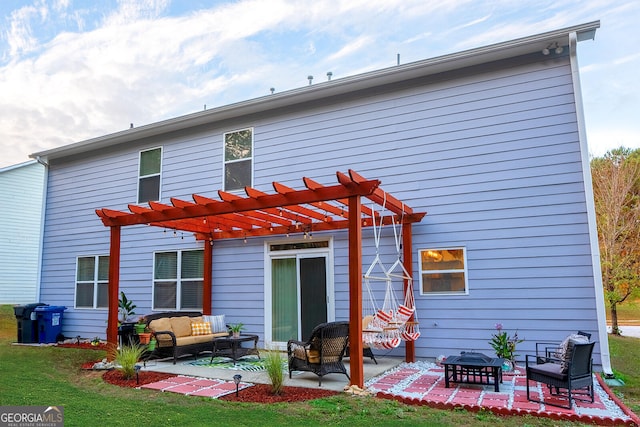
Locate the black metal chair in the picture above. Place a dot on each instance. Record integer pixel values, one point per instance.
(551, 349)
(322, 354)
(572, 373)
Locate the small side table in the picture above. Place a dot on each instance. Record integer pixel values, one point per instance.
(232, 347)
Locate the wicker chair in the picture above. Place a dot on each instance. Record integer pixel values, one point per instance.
(322, 354)
(572, 373)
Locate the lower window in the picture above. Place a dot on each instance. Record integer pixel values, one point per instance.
(178, 279)
(443, 271)
(92, 282)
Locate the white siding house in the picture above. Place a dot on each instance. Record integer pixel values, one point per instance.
(22, 195)
(490, 142)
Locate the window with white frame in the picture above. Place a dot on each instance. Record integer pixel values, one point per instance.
(92, 282)
(238, 159)
(443, 271)
(149, 173)
(177, 280)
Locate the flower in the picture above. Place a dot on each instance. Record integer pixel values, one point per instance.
(503, 344)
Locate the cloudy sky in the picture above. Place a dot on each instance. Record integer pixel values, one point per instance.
(71, 70)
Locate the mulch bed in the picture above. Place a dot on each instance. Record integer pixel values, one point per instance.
(144, 377)
(84, 346)
(261, 393)
(258, 393)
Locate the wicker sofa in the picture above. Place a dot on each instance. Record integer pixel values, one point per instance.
(181, 333)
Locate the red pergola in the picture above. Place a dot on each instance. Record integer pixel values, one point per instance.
(287, 211)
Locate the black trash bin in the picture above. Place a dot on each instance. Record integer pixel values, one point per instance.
(27, 322)
(50, 323)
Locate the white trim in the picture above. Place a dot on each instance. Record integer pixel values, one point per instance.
(159, 174)
(327, 252)
(95, 281)
(591, 209)
(178, 279)
(225, 162)
(465, 272)
(43, 210)
(17, 166)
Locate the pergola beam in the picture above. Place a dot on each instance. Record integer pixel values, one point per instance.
(287, 212)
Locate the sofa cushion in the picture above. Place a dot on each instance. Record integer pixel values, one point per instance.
(181, 326)
(197, 339)
(162, 324)
(301, 353)
(202, 328)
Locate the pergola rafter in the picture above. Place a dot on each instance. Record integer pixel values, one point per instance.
(287, 211)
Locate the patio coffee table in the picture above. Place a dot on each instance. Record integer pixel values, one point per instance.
(473, 368)
(232, 347)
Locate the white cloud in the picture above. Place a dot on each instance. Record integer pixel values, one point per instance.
(83, 73)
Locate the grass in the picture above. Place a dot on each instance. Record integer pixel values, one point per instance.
(628, 313)
(52, 376)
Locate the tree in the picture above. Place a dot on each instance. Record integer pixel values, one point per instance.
(616, 188)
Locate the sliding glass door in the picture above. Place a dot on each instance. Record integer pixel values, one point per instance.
(298, 294)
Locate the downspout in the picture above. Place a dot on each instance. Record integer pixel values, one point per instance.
(43, 210)
(591, 210)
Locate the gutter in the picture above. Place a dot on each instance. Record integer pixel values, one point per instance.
(598, 288)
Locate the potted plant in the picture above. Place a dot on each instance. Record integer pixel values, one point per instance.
(236, 329)
(505, 346)
(141, 325)
(152, 344)
(126, 307)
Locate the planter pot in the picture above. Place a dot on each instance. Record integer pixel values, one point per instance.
(140, 327)
(235, 334)
(144, 337)
(152, 345)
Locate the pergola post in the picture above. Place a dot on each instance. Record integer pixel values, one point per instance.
(355, 292)
(208, 277)
(114, 285)
(407, 253)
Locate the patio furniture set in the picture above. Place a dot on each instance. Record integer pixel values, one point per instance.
(188, 333)
(565, 368)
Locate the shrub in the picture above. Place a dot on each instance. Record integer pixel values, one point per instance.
(273, 365)
(127, 357)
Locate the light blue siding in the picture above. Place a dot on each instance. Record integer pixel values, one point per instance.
(491, 153)
(21, 206)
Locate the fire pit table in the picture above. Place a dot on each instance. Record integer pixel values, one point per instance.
(473, 368)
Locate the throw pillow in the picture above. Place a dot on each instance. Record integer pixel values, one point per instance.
(217, 323)
(566, 349)
(203, 328)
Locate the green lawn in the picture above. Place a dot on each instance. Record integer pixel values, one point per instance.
(628, 313)
(52, 376)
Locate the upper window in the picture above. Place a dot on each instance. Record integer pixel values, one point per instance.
(443, 271)
(177, 280)
(238, 159)
(149, 175)
(92, 282)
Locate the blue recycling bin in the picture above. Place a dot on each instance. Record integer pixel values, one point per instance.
(49, 323)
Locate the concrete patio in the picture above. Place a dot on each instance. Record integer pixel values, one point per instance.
(335, 382)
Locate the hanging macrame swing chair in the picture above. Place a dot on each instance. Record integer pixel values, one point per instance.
(391, 323)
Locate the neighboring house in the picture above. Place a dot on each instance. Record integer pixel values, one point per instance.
(490, 142)
(21, 209)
